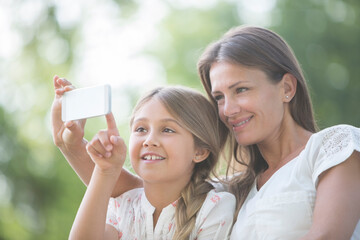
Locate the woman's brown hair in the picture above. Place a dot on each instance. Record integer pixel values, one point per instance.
(265, 50)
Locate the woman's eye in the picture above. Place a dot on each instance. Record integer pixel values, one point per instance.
(168, 130)
(218, 98)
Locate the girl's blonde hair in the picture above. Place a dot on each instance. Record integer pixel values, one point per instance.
(264, 50)
(199, 117)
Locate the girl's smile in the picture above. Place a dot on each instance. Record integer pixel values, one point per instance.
(161, 149)
(152, 157)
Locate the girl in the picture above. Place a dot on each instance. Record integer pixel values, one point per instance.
(174, 147)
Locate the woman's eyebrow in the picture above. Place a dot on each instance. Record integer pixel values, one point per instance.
(230, 87)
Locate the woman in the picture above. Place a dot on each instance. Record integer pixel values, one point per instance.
(297, 183)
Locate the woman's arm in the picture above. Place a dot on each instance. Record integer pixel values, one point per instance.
(69, 138)
(337, 208)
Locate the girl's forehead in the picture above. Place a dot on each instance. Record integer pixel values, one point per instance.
(152, 107)
(153, 103)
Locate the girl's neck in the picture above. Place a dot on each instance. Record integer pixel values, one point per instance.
(160, 195)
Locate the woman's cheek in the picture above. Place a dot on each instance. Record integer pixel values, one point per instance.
(221, 115)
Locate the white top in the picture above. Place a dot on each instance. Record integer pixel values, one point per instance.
(283, 207)
(131, 214)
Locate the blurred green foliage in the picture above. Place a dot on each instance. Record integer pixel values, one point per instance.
(39, 192)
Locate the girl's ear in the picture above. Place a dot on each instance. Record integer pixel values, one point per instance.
(201, 154)
(289, 83)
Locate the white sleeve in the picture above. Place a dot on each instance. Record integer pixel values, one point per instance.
(215, 218)
(333, 146)
(111, 218)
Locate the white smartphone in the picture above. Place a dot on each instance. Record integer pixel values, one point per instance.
(86, 102)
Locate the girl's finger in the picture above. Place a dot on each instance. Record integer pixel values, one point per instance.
(111, 123)
(119, 146)
(92, 152)
(104, 138)
(98, 147)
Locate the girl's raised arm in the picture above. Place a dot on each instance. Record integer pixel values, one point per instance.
(91, 216)
(69, 138)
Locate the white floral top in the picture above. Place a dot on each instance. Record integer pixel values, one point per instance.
(131, 214)
(283, 207)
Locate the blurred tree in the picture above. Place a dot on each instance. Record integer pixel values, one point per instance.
(325, 36)
(39, 192)
(185, 33)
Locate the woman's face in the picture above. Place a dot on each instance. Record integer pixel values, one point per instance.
(248, 102)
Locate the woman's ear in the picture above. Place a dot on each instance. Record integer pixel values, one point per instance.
(201, 154)
(289, 83)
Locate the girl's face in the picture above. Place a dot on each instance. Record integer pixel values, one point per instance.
(248, 102)
(161, 149)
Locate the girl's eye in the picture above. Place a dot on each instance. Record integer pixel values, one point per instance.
(168, 130)
(140, 129)
(241, 89)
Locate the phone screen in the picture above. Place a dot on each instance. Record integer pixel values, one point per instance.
(86, 103)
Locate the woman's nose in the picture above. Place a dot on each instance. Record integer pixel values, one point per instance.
(230, 107)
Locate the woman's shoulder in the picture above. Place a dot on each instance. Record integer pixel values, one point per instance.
(338, 130)
(330, 147)
(336, 138)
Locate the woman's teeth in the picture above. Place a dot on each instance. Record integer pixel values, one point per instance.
(241, 123)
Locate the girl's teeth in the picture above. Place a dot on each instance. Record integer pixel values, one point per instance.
(151, 157)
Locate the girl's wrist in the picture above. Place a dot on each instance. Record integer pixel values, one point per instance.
(110, 174)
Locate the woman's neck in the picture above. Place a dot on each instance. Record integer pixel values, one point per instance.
(281, 150)
(286, 145)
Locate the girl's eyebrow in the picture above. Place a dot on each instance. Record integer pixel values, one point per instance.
(164, 120)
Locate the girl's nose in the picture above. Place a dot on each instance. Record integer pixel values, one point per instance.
(151, 140)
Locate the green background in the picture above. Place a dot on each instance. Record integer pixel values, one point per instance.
(39, 192)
